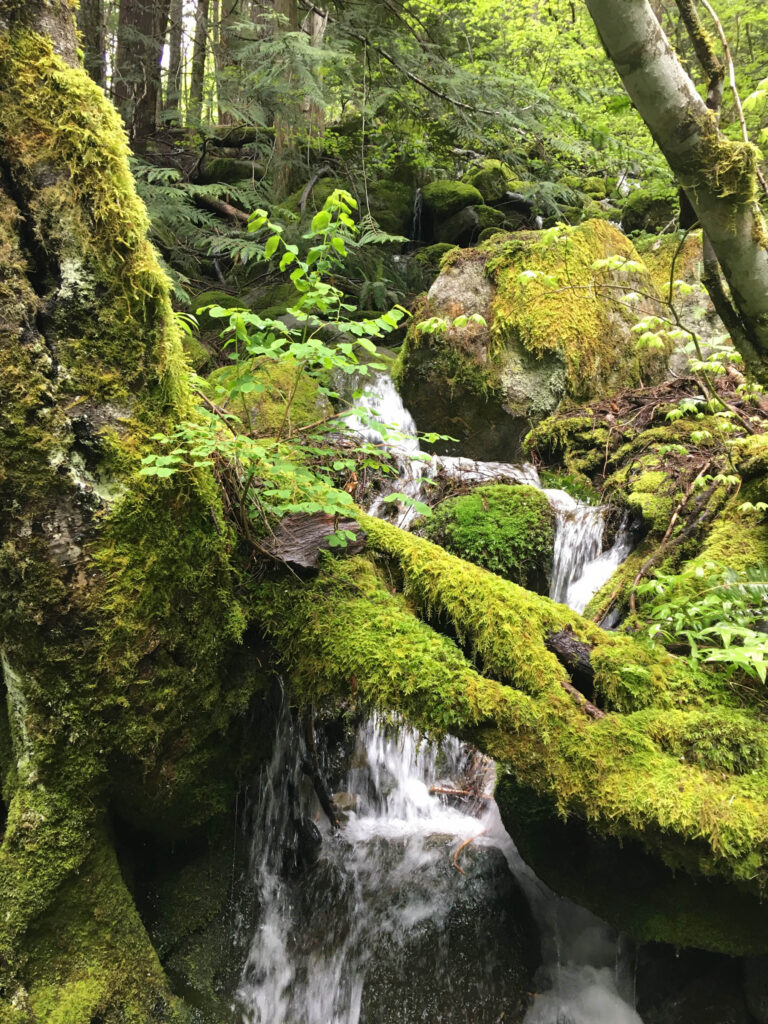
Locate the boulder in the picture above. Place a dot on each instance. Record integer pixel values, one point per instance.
(491, 178)
(444, 198)
(464, 227)
(507, 529)
(555, 330)
(649, 209)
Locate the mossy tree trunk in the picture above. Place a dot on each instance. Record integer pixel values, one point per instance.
(718, 174)
(117, 595)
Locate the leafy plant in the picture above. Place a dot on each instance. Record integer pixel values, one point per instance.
(289, 471)
(718, 614)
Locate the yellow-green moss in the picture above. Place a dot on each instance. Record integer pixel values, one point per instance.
(264, 413)
(574, 312)
(611, 772)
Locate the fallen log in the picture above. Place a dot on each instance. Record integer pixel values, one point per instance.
(298, 539)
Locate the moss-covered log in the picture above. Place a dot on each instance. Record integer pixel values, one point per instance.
(632, 773)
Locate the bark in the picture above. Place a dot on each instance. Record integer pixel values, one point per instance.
(140, 36)
(173, 97)
(287, 21)
(717, 174)
(90, 360)
(227, 74)
(90, 24)
(199, 54)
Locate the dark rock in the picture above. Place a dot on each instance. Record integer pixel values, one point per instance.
(756, 987)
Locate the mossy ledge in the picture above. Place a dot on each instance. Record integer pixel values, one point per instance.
(626, 774)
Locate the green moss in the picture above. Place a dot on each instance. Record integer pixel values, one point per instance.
(659, 253)
(90, 957)
(610, 772)
(508, 530)
(563, 309)
(491, 178)
(391, 205)
(263, 413)
(649, 209)
(443, 198)
(124, 600)
(212, 297)
(487, 217)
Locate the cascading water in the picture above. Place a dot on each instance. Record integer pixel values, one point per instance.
(384, 928)
(362, 935)
(580, 566)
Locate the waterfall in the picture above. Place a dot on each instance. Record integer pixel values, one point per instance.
(580, 566)
(418, 207)
(334, 906)
(386, 886)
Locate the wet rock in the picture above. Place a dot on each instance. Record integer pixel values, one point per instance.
(469, 963)
(714, 999)
(756, 987)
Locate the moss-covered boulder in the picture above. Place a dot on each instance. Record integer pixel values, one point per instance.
(444, 198)
(272, 395)
(492, 178)
(649, 209)
(507, 529)
(429, 260)
(466, 226)
(228, 170)
(554, 330)
(390, 203)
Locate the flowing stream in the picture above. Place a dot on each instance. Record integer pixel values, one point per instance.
(419, 907)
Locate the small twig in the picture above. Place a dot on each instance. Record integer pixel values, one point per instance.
(461, 847)
(591, 709)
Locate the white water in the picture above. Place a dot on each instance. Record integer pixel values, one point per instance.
(315, 943)
(386, 877)
(580, 566)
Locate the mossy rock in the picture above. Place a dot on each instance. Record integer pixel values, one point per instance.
(212, 297)
(556, 332)
(487, 233)
(625, 886)
(263, 410)
(391, 206)
(429, 260)
(316, 198)
(198, 356)
(227, 169)
(649, 209)
(465, 227)
(507, 529)
(444, 198)
(491, 178)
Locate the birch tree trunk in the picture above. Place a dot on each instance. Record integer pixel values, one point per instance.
(717, 174)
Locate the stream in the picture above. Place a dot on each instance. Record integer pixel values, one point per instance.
(419, 907)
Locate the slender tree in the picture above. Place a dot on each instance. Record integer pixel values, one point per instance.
(140, 36)
(175, 58)
(199, 54)
(718, 175)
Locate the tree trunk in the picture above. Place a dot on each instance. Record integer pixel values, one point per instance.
(287, 21)
(717, 174)
(140, 37)
(227, 76)
(90, 364)
(90, 23)
(173, 96)
(199, 54)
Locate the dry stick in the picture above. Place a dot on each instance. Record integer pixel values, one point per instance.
(732, 81)
(465, 843)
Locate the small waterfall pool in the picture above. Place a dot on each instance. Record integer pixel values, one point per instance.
(419, 908)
